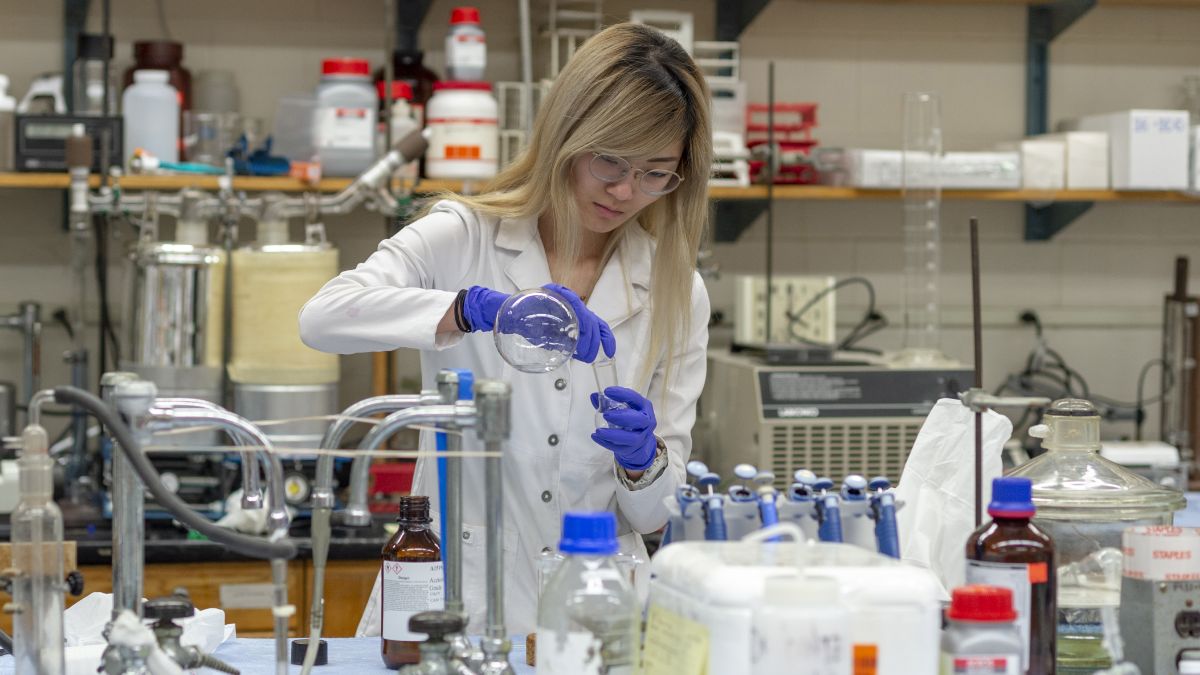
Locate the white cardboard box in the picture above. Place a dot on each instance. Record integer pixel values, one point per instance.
(884, 169)
(1194, 176)
(1086, 159)
(1043, 163)
(1148, 149)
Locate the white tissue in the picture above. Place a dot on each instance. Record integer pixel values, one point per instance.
(246, 521)
(84, 622)
(938, 488)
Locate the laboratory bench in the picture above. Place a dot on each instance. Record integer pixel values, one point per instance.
(217, 577)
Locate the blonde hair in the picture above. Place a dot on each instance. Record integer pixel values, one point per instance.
(629, 91)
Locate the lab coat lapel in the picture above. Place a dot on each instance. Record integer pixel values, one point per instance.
(623, 287)
(528, 268)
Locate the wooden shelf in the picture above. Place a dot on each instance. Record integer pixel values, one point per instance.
(178, 182)
(782, 192)
(830, 193)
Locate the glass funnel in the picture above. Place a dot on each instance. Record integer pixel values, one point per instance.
(536, 331)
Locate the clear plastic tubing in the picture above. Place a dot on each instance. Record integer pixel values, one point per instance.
(921, 188)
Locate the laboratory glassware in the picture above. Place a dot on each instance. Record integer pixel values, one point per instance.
(412, 568)
(536, 331)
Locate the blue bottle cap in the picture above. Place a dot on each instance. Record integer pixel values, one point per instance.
(589, 533)
(1012, 498)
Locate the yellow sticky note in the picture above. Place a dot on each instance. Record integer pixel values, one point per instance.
(674, 645)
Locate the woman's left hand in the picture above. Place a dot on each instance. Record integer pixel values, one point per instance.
(594, 332)
(631, 438)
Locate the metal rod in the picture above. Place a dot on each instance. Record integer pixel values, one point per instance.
(494, 486)
(527, 67)
(134, 398)
(977, 329)
(770, 189)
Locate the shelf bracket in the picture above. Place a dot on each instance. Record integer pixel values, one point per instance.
(1046, 21)
(733, 16)
(410, 14)
(75, 13)
(734, 216)
(1043, 222)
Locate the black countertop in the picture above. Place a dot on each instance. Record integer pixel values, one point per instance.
(167, 544)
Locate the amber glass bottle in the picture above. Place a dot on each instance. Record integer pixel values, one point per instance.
(1013, 553)
(411, 581)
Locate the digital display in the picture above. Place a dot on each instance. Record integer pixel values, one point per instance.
(43, 131)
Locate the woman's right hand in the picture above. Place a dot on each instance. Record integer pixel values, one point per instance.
(481, 305)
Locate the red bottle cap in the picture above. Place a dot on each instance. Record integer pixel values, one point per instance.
(462, 84)
(987, 604)
(344, 66)
(464, 15)
(400, 90)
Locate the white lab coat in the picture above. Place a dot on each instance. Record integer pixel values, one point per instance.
(551, 466)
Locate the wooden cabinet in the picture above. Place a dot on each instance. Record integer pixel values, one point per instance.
(347, 587)
(243, 590)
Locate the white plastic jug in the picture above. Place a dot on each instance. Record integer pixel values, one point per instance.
(151, 109)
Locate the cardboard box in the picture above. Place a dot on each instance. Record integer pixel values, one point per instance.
(1148, 149)
(884, 169)
(1043, 163)
(1086, 158)
(1194, 166)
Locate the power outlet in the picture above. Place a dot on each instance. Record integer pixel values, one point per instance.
(788, 295)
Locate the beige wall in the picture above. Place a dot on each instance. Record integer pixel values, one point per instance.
(1098, 285)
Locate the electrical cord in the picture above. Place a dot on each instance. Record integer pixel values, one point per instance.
(108, 335)
(254, 547)
(871, 323)
(1047, 374)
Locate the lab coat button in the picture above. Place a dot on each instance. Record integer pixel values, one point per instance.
(553, 440)
(466, 536)
(560, 384)
(546, 549)
(546, 496)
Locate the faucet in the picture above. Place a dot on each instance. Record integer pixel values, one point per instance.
(357, 513)
(323, 500)
(136, 401)
(251, 487)
(491, 416)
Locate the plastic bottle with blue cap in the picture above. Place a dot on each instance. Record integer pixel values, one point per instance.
(588, 615)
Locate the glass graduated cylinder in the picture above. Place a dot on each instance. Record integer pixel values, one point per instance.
(605, 370)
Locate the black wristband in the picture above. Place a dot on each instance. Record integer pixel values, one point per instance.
(460, 316)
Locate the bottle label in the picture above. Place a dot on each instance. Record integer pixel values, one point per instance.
(981, 664)
(467, 51)
(574, 653)
(345, 128)
(1017, 577)
(409, 588)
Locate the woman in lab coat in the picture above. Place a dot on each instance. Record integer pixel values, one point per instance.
(609, 201)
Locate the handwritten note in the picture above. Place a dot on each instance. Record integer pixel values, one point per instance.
(674, 645)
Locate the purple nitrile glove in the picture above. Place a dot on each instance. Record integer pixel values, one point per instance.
(594, 332)
(481, 306)
(631, 436)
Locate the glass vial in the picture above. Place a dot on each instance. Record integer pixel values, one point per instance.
(412, 581)
(605, 370)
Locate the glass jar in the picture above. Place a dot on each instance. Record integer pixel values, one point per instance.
(1084, 502)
